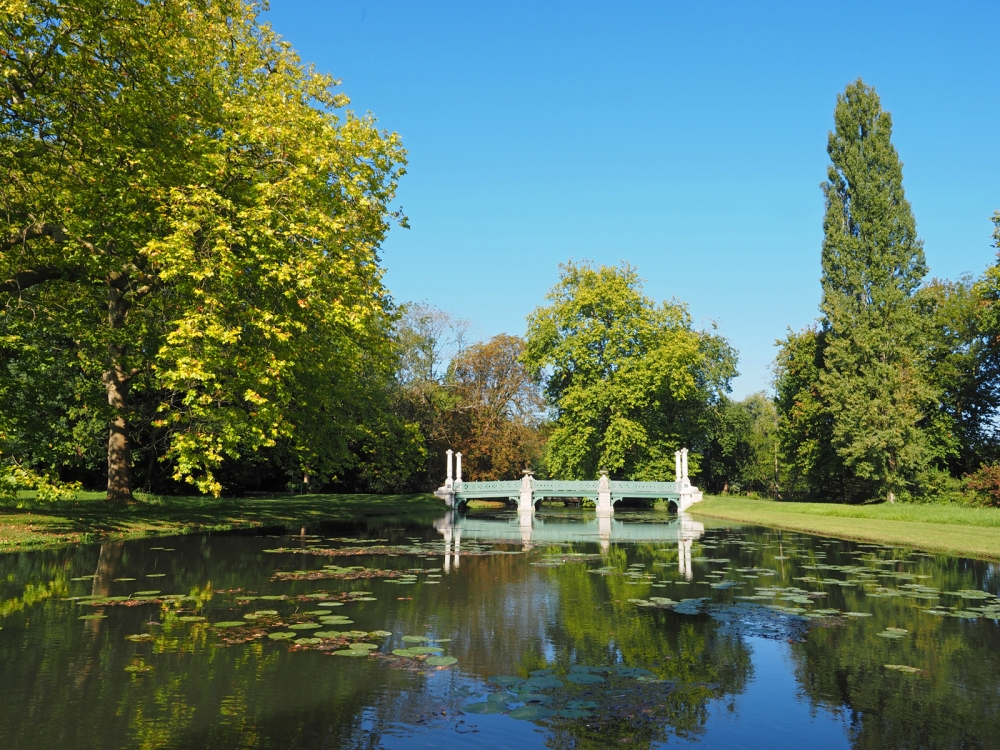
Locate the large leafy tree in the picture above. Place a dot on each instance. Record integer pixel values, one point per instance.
(186, 217)
(629, 380)
(873, 396)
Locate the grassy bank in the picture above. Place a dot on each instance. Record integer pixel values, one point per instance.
(90, 518)
(957, 530)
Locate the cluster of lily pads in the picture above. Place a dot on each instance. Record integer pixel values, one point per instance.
(582, 693)
(431, 655)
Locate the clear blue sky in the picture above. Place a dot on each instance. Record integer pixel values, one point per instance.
(686, 138)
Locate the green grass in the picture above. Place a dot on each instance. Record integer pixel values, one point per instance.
(958, 530)
(90, 518)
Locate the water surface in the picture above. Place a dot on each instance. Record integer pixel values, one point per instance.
(571, 632)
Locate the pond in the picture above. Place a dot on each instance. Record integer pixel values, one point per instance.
(478, 631)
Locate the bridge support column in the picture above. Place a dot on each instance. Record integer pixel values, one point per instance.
(604, 506)
(526, 500)
(447, 491)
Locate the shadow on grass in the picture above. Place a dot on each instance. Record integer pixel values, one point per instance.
(91, 517)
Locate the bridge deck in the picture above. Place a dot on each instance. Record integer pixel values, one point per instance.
(551, 488)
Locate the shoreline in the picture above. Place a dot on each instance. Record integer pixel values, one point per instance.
(959, 531)
(92, 520)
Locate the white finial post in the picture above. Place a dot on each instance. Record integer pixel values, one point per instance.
(684, 465)
(677, 467)
(449, 482)
(458, 468)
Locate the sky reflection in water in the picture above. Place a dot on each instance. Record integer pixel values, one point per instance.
(650, 630)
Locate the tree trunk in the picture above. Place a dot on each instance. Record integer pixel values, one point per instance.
(116, 380)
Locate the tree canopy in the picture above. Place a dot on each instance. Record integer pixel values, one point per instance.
(629, 381)
(190, 233)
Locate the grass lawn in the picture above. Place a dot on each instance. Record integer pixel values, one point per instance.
(957, 530)
(90, 518)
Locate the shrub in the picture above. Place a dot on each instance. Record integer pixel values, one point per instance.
(985, 484)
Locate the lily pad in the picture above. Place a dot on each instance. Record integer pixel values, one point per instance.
(484, 708)
(506, 680)
(92, 617)
(529, 713)
(425, 649)
(634, 672)
(137, 637)
(414, 639)
(305, 626)
(545, 682)
(191, 618)
(228, 624)
(584, 678)
(327, 634)
(380, 634)
(442, 661)
(331, 604)
(146, 593)
(350, 652)
(404, 652)
(307, 641)
(153, 575)
(364, 646)
(280, 636)
(902, 668)
(314, 612)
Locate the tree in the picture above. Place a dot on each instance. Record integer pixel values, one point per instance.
(629, 381)
(874, 392)
(185, 210)
(743, 453)
(499, 409)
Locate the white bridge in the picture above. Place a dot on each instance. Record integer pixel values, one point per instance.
(528, 491)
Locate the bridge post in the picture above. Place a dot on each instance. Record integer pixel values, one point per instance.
(458, 471)
(684, 467)
(447, 491)
(677, 467)
(604, 507)
(526, 500)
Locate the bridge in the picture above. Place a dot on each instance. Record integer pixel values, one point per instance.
(605, 492)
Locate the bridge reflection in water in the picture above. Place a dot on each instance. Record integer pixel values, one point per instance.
(529, 530)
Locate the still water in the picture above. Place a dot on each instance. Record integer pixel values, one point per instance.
(476, 631)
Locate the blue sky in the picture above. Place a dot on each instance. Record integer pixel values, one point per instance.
(688, 139)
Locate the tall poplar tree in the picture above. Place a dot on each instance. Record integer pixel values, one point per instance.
(874, 377)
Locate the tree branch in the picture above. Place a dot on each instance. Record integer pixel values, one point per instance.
(33, 276)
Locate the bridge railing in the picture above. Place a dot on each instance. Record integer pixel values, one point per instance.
(483, 489)
(541, 487)
(643, 489)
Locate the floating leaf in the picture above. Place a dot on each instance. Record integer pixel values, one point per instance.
(350, 652)
(441, 661)
(92, 617)
(281, 636)
(139, 637)
(544, 682)
(425, 649)
(902, 668)
(484, 708)
(192, 618)
(529, 713)
(414, 639)
(228, 624)
(584, 678)
(307, 641)
(304, 626)
(506, 680)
